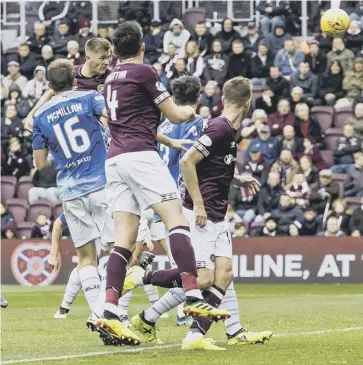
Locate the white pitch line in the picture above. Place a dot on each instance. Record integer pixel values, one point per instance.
(170, 346)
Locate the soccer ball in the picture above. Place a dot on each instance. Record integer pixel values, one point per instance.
(334, 22)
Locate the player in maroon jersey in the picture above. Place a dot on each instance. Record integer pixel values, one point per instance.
(137, 178)
(89, 76)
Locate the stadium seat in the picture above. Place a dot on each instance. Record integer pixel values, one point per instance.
(8, 186)
(331, 137)
(18, 208)
(341, 115)
(191, 17)
(353, 201)
(40, 206)
(25, 229)
(24, 185)
(57, 209)
(254, 226)
(324, 115)
(327, 156)
(339, 179)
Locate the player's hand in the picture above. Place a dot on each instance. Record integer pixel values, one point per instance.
(200, 215)
(148, 243)
(180, 143)
(248, 182)
(28, 123)
(54, 260)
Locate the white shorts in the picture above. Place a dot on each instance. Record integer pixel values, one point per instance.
(88, 218)
(209, 242)
(148, 229)
(137, 180)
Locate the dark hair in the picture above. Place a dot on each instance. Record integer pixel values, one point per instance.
(186, 90)
(127, 39)
(97, 45)
(61, 75)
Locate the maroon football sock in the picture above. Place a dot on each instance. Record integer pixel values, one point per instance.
(164, 278)
(116, 272)
(212, 296)
(184, 257)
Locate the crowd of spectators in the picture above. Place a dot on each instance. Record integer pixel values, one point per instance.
(283, 142)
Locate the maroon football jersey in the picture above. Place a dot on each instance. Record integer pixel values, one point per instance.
(132, 93)
(215, 172)
(90, 83)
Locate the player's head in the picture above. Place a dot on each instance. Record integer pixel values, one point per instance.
(186, 90)
(97, 52)
(127, 41)
(61, 75)
(237, 93)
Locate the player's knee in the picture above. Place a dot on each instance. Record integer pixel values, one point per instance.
(205, 279)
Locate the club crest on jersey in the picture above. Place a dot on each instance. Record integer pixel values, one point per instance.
(229, 159)
(101, 88)
(160, 86)
(205, 140)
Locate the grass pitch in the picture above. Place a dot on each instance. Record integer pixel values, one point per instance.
(313, 325)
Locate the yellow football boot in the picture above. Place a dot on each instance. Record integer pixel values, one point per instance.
(148, 331)
(202, 344)
(249, 338)
(133, 279)
(203, 309)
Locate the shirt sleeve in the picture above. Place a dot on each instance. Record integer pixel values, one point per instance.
(192, 131)
(154, 86)
(98, 103)
(62, 218)
(39, 141)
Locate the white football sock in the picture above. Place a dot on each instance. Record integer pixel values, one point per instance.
(180, 310)
(170, 300)
(152, 293)
(72, 289)
(91, 285)
(193, 336)
(230, 304)
(98, 310)
(123, 303)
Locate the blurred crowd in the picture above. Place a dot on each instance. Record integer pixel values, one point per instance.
(310, 169)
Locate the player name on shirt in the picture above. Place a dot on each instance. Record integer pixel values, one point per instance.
(61, 112)
(215, 172)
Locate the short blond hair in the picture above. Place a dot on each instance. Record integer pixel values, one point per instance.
(238, 91)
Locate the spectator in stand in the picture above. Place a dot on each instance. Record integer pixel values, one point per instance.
(153, 42)
(288, 59)
(38, 39)
(314, 153)
(239, 62)
(283, 117)
(177, 35)
(332, 228)
(44, 185)
(27, 60)
(9, 231)
(265, 143)
(356, 221)
(203, 38)
(43, 227)
(51, 12)
(195, 63)
(251, 126)
(267, 101)
(353, 185)
(104, 31)
(159, 70)
(331, 86)
(299, 191)
(290, 142)
(211, 99)
(345, 147)
(357, 12)
(272, 14)
(277, 83)
(256, 166)
(342, 54)
(294, 229)
(11, 125)
(354, 38)
(47, 56)
(308, 170)
(287, 214)
(15, 98)
(16, 162)
(309, 82)
(261, 63)
(168, 60)
(73, 55)
(79, 11)
(240, 230)
(357, 120)
(36, 87)
(14, 76)
(323, 192)
(340, 211)
(84, 34)
(204, 112)
(59, 41)
(216, 64)
(6, 217)
(4, 91)
(311, 223)
(270, 228)
(179, 70)
(307, 126)
(325, 42)
(227, 35)
(253, 39)
(316, 58)
(296, 97)
(286, 167)
(269, 197)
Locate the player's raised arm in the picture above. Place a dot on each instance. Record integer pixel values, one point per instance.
(176, 114)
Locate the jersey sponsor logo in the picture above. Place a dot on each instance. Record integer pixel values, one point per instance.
(229, 159)
(29, 264)
(160, 86)
(205, 140)
(101, 88)
(170, 196)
